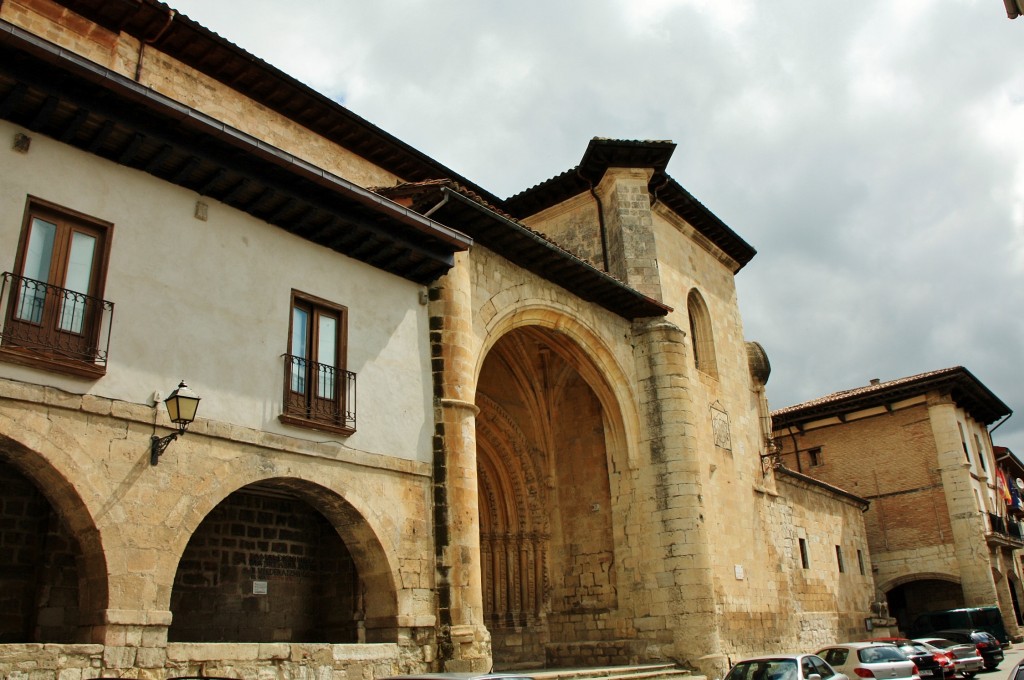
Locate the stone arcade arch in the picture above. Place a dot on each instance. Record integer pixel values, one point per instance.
(545, 446)
(54, 585)
(284, 560)
(913, 594)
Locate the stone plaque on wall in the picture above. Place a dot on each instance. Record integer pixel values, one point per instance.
(720, 427)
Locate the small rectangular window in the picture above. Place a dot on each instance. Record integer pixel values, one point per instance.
(815, 456)
(319, 392)
(839, 559)
(804, 560)
(860, 562)
(981, 451)
(56, 318)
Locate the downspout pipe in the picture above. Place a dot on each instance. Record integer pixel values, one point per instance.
(655, 190)
(600, 219)
(149, 41)
(796, 450)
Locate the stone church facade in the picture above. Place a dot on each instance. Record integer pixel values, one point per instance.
(561, 455)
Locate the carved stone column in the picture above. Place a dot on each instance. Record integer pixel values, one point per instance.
(464, 643)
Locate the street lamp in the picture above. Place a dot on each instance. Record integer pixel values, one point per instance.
(181, 408)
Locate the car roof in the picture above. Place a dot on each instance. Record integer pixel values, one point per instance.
(774, 657)
(860, 645)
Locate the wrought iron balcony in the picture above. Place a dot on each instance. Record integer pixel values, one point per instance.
(1005, 531)
(52, 327)
(318, 395)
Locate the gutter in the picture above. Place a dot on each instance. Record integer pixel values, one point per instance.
(996, 426)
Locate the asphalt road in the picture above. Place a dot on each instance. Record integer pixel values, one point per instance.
(1008, 668)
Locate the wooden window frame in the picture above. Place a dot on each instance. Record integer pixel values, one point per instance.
(43, 351)
(306, 408)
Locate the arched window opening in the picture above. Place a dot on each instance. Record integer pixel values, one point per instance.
(701, 337)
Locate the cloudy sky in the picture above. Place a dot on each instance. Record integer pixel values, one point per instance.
(872, 151)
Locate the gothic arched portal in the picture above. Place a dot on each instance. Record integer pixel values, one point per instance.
(545, 499)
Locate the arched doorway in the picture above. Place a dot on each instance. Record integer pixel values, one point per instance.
(269, 564)
(547, 546)
(909, 598)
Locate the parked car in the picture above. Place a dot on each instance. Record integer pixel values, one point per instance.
(784, 667)
(931, 665)
(988, 619)
(987, 645)
(966, 658)
(869, 660)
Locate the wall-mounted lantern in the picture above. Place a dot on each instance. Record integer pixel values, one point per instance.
(181, 408)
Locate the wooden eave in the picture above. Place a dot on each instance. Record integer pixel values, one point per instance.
(50, 91)
(602, 154)
(966, 390)
(534, 252)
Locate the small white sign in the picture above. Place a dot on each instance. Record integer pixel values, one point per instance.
(739, 572)
(259, 587)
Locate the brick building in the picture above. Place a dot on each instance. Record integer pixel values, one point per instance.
(438, 429)
(941, 532)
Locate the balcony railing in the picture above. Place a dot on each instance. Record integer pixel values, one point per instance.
(1004, 527)
(319, 395)
(56, 325)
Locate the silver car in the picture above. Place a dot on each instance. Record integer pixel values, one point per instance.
(870, 660)
(784, 667)
(966, 659)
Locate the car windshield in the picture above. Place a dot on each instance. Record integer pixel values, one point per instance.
(880, 654)
(764, 669)
(912, 648)
(941, 642)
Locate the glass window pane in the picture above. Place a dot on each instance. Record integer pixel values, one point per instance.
(40, 250)
(326, 355)
(300, 332)
(38, 257)
(327, 340)
(79, 275)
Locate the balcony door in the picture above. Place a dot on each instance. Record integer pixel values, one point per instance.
(55, 303)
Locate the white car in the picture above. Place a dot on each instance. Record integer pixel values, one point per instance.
(784, 667)
(870, 660)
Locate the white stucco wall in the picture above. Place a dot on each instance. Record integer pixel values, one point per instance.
(210, 302)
